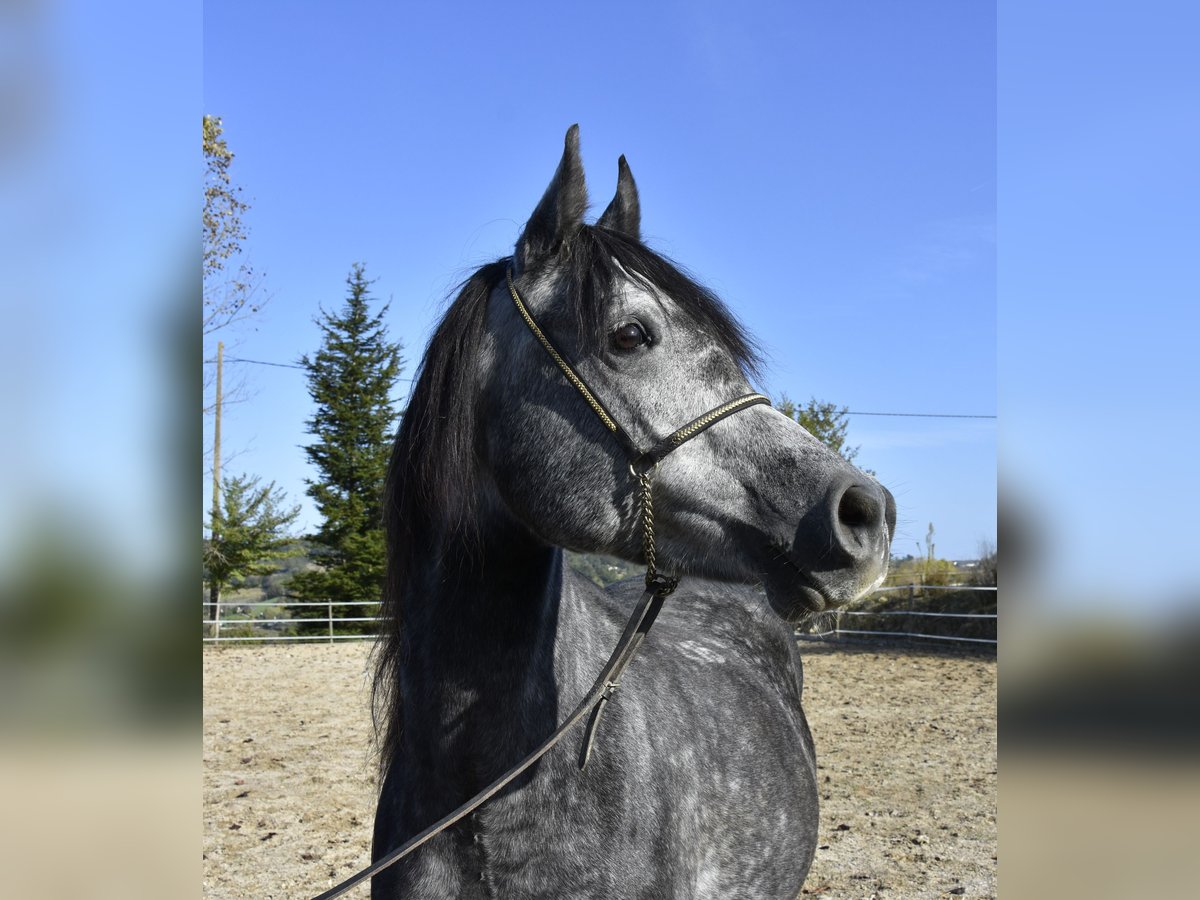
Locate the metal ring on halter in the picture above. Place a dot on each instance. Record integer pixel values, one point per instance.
(651, 470)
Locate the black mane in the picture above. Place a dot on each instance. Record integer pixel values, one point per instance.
(432, 477)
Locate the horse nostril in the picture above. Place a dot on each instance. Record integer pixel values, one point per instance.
(848, 531)
(859, 508)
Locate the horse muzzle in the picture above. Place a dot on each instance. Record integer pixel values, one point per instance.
(839, 552)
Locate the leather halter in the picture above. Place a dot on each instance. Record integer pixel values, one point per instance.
(642, 464)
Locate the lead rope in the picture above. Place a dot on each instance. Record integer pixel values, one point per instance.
(643, 465)
(657, 588)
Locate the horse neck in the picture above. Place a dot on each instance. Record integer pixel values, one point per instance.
(478, 680)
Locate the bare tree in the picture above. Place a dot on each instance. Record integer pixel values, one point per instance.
(233, 290)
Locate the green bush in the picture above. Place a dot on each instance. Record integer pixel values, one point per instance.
(919, 570)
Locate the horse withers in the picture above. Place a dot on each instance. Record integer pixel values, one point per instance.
(702, 782)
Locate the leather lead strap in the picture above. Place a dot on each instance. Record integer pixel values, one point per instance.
(635, 630)
(662, 587)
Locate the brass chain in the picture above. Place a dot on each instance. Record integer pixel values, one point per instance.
(647, 503)
(659, 584)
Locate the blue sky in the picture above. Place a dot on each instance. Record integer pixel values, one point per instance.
(830, 173)
(1100, 276)
(830, 170)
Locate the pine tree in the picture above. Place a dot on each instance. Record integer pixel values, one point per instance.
(351, 380)
(251, 536)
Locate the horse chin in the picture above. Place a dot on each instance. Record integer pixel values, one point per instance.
(792, 599)
(794, 594)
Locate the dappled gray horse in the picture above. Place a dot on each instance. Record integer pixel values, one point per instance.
(702, 780)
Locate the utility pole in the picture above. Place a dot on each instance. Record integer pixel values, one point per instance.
(214, 590)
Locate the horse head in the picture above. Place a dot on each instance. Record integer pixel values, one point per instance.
(755, 498)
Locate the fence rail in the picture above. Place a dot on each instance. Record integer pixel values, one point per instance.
(838, 633)
(329, 621)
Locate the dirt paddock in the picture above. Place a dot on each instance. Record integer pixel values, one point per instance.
(906, 746)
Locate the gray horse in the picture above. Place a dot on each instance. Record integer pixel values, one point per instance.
(702, 782)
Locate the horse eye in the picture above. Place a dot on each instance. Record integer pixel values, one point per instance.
(630, 336)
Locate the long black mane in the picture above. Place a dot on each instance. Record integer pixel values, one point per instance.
(432, 477)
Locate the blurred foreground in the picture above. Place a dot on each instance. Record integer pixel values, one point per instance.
(1099, 738)
(99, 688)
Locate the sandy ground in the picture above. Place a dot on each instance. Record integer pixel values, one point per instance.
(906, 746)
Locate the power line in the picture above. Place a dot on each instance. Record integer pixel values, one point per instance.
(922, 415)
(279, 365)
(261, 362)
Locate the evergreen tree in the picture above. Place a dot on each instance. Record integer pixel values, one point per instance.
(251, 535)
(351, 380)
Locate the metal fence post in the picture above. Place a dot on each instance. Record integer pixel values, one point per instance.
(331, 621)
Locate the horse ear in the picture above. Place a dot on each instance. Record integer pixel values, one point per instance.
(624, 214)
(560, 211)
